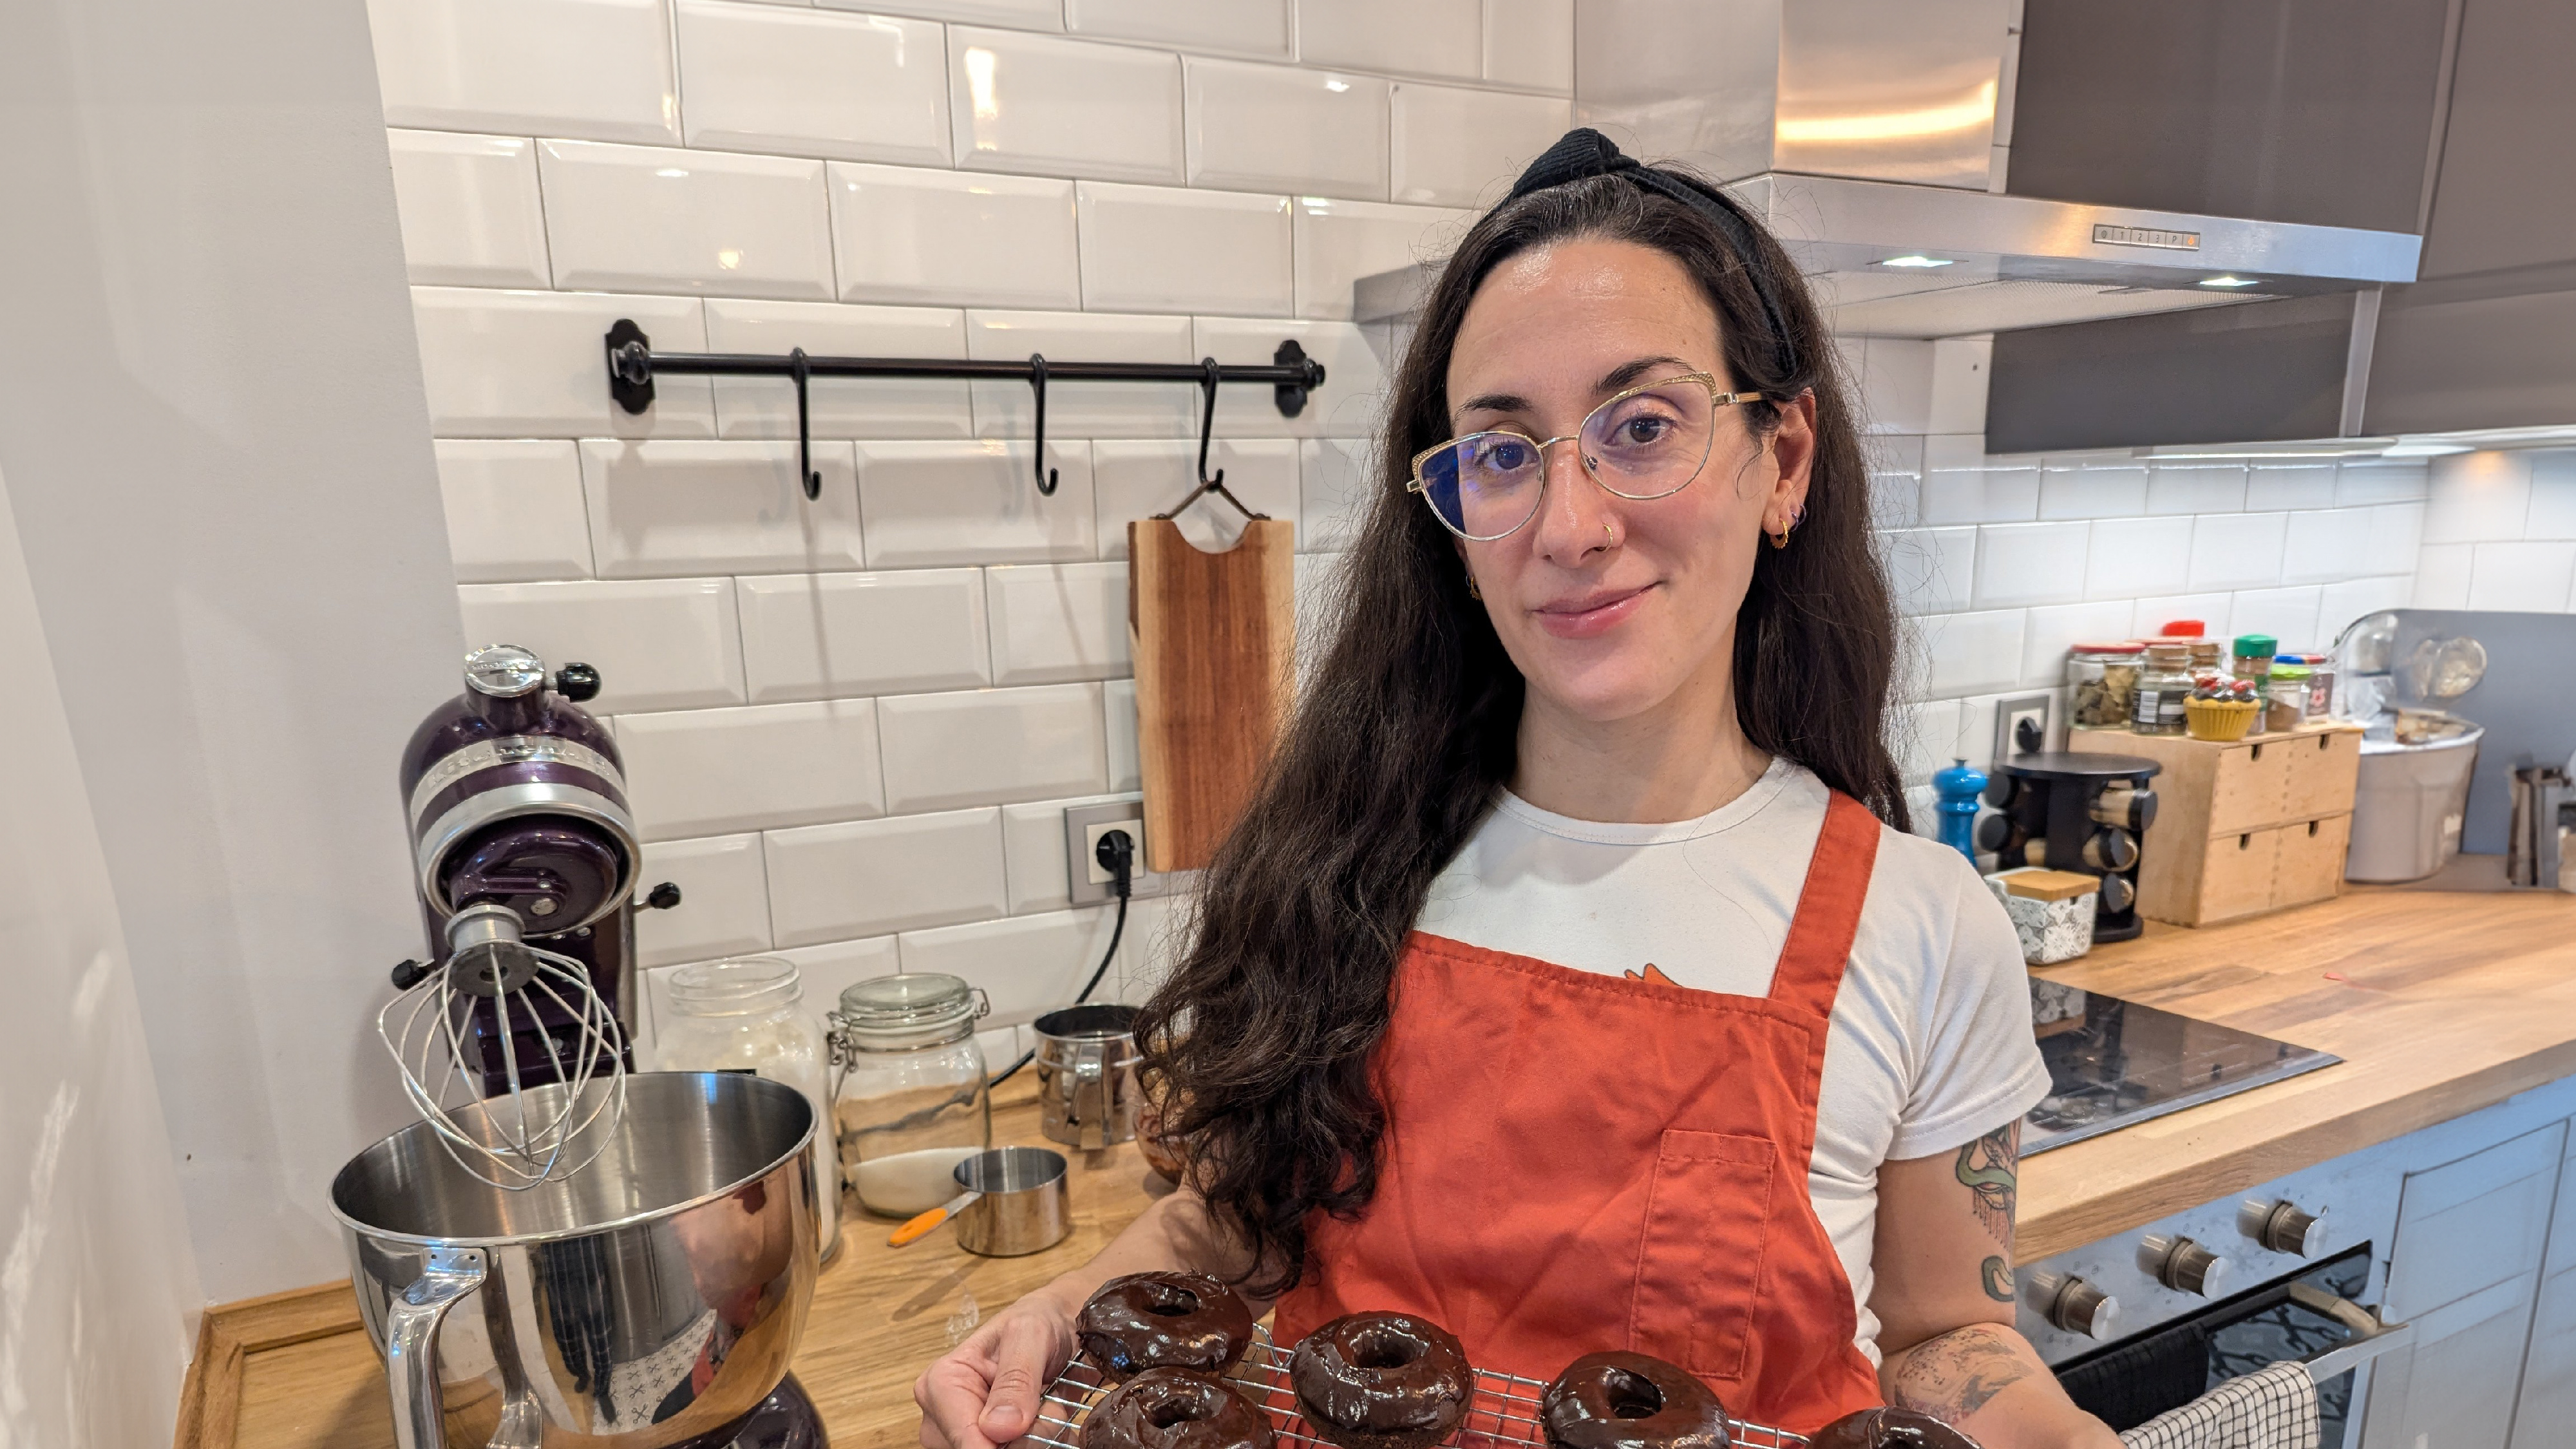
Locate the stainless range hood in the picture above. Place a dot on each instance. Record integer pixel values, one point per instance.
(1873, 136)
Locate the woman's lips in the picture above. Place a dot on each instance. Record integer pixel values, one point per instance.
(1590, 615)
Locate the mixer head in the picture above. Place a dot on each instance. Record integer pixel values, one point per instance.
(428, 1032)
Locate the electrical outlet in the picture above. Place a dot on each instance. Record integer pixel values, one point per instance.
(1084, 825)
(2021, 726)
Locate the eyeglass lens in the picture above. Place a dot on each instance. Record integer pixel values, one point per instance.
(1643, 444)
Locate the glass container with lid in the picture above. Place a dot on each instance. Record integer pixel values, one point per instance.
(2164, 690)
(749, 1016)
(911, 1100)
(2103, 680)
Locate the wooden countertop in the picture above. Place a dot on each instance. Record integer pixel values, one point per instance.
(2438, 1003)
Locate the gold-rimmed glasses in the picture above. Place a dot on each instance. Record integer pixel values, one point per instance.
(1647, 442)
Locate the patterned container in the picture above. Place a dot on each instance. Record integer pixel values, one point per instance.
(2052, 911)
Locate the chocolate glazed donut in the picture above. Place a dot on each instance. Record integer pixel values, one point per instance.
(1382, 1381)
(1164, 1320)
(1631, 1401)
(1886, 1428)
(1172, 1409)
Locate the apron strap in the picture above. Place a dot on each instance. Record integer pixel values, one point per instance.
(1810, 972)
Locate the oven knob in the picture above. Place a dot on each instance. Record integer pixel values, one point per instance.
(2182, 1265)
(2079, 1307)
(2283, 1227)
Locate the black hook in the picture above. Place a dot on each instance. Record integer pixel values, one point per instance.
(1037, 380)
(1207, 432)
(813, 481)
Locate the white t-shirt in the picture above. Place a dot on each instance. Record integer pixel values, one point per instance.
(1930, 1046)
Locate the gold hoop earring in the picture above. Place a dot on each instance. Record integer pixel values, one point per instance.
(1781, 538)
(1472, 591)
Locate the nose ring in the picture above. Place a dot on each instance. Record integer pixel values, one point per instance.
(1608, 539)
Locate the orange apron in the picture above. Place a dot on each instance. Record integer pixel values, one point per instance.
(1576, 1162)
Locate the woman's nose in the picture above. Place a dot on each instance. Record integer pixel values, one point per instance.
(1573, 514)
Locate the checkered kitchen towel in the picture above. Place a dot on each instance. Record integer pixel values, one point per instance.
(2273, 1409)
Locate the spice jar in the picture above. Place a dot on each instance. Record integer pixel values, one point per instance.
(749, 1015)
(2164, 688)
(911, 1101)
(2251, 657)
(2208, 656)
(2103, 679)
(2286, 697)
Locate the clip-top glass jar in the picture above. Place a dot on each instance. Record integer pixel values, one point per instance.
(749, 1016)
(2164, 689)
(2103, 680)
(911, 1101)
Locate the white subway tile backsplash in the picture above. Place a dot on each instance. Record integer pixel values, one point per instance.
(470, 214)
(1157, 933)
(598, 68)
(832, 882)
(2237, 551)
(531, 364)
(1058, 107)
(1458, 147)
(2196, 488)
(1334, 485)
(1962, 485)
(1349, 404)
(657, 643)
(676, 507)
(2148, 617)
(1018, 14)
(974, 502)
(824, 972)
(2339, 604)
(1033, 852)
(1959, 369)
(1339, 242)
(1248, 27)
(2030, 563)
(1118, 716)
(1057, 622)
(717, 771)
(2324, 544)
(1283, 128)
(648, 219)
(2396, 532)
(1420, 37)
(827, 636)
(1972, 653)
(1079, 409)
(2133, 556)
(1931, 570)
(813, 83)
(2084, 489)
(988, 746)
(2288, 615)
(1895, 495)
(840, 407)
(1028, 965)
(1895, 384)
(1923, 734)
(1530, 44)
(1166, 249)
(2480, 497)
(724, 902)
(2553, 497)
(514, 509)
(2532, 575)
(2295, 485)
(2053, 630)
(1138, 479)
(1323, 590)
(2442, 572)
(2371, 481)
(906, 235)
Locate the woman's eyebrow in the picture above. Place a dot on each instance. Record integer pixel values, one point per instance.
(1616, 379)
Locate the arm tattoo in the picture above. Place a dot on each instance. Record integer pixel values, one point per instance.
(1952, 1377)
(1989, 1168)
(1999, 1279)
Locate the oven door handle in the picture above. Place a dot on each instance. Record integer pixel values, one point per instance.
(2370, 1336)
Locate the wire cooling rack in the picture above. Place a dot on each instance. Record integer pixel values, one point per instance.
(1503, 1411)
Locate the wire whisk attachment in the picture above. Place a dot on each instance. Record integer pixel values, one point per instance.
(514, 1138)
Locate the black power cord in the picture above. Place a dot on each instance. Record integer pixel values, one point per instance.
(1117, 855)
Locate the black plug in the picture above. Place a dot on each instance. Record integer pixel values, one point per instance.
(1116, 853)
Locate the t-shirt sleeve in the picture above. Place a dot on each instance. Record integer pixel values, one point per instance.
(1981, 1064)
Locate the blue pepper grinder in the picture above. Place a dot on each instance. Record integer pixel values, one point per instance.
(1959, 787)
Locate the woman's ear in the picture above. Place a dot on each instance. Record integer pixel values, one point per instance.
(1793, 447)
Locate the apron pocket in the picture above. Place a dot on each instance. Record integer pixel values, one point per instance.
(1700, 1264)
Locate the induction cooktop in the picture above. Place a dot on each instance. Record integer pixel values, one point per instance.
(2114, 1064)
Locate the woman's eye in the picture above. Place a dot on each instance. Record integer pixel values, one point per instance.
(1638, 431)
(1508, 455)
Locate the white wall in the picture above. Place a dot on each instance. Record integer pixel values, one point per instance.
(2500, 533)
(100, 1292)
(219, 465)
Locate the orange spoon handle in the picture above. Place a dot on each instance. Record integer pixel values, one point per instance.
(922, 1225)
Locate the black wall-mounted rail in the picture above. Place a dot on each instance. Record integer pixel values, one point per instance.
(632, 364)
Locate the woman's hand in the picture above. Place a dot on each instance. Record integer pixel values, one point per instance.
(985, 1392)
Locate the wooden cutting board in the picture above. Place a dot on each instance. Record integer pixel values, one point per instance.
(1215, 640)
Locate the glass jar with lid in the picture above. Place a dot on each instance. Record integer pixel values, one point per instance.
(749, 1016)
(2103, 684)
(911, 1101)
(2164, 690)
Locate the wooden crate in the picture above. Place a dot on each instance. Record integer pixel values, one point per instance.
(2242, 827)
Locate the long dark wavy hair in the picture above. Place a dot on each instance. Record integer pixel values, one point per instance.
(1404, 733)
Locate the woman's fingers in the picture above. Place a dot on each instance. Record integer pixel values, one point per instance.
(952, 1393)
(1024, 1363)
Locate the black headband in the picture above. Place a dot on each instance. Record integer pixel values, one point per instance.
(1583, 153)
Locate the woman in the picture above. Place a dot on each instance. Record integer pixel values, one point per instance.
(1562, 946)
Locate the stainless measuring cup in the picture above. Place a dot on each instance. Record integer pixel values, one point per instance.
(1086, 1065)
(1020, 1204)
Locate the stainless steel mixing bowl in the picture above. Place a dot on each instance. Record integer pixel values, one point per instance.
(652, 1298)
